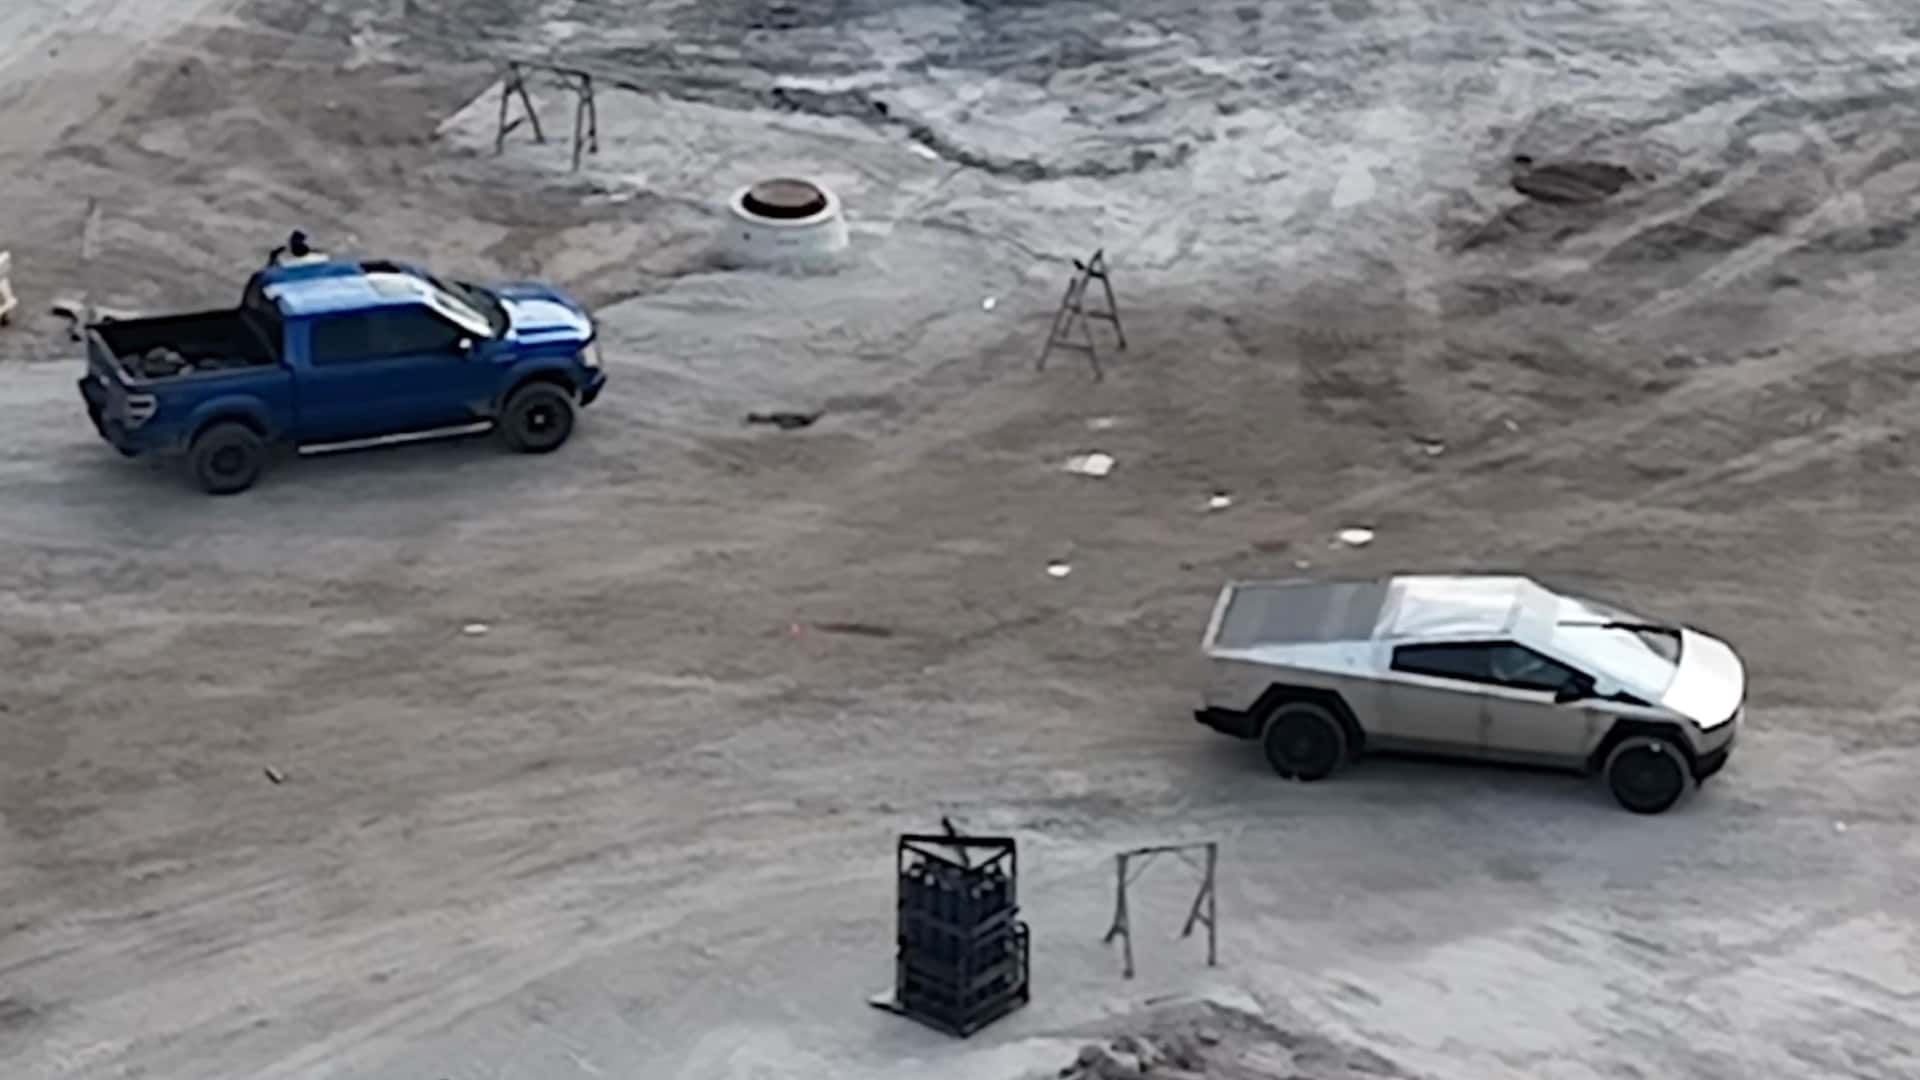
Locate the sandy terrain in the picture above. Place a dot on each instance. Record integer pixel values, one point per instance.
(643, 826)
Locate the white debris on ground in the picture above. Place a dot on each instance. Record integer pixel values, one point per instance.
(1355, 537)
(1094, 464)
(7, 300)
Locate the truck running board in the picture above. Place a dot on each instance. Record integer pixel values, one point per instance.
(396, 440)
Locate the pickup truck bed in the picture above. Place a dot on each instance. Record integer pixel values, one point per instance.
(169, 345)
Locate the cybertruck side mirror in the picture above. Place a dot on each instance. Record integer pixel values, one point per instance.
(1574, 689)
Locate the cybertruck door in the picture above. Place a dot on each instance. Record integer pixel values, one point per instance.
(1435, 698)
(1524, 721)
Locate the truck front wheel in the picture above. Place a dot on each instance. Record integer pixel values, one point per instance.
(226, 458)
(537, 419)
(1646, 774)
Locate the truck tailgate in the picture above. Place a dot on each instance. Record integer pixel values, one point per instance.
(111, 401)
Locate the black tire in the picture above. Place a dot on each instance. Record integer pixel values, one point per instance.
(1646, 774)
(1304, 742)
(538, 419)
(226, 458)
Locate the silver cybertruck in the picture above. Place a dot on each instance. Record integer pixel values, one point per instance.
(1487, 666)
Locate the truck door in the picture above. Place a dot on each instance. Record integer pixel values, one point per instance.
(387, 371)
(1436, 699)
(1523, 719)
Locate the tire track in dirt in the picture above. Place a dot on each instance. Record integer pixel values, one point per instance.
(1545, 448)
(1839, 207)
(51, 46)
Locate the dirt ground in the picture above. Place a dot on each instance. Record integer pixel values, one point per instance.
(643, 826)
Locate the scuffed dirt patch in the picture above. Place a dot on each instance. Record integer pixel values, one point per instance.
(15, 1014)
(1569, 181)
(1222, 1043)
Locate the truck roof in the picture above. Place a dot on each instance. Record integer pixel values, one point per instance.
(1255, 614)
(330, 287)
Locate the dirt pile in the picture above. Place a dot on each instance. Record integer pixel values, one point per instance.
(1221, 1043)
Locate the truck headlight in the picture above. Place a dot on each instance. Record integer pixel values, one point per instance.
(591, 357)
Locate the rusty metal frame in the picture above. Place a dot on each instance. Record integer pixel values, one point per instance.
(1204, 911)
(586, 112)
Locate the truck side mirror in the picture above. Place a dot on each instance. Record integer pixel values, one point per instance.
(1574, 689)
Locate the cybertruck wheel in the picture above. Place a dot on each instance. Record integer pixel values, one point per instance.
(537, 419)
(1647, 775)
(226, 459)
(1304, 742)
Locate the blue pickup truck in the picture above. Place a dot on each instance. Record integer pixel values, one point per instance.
(334, 352)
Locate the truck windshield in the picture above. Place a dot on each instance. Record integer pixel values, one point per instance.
(1661, 641)
(481, 301)
(1637, 652)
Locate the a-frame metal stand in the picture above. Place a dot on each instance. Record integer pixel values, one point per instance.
(586, 115)
(1203, 912)
(1073, 315)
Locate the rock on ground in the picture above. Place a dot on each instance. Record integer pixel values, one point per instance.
(1219, 1042)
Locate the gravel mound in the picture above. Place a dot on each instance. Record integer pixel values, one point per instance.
(1221, 1043)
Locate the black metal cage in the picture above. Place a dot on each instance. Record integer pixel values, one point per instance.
(962, 959)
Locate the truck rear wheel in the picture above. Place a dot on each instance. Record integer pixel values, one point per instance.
(226, 458)
(537, 419)
(1304, 742)
(1647, 774)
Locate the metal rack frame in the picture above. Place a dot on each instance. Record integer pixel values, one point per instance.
(961, 969)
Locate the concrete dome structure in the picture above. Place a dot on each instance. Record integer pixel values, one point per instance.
(783, 222)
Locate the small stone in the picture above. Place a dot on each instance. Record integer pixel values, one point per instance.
(1146, 1052)
(275, 775)
(1181, 1052)
(1100, 1063)
(1207, 1035)
(475, 629)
